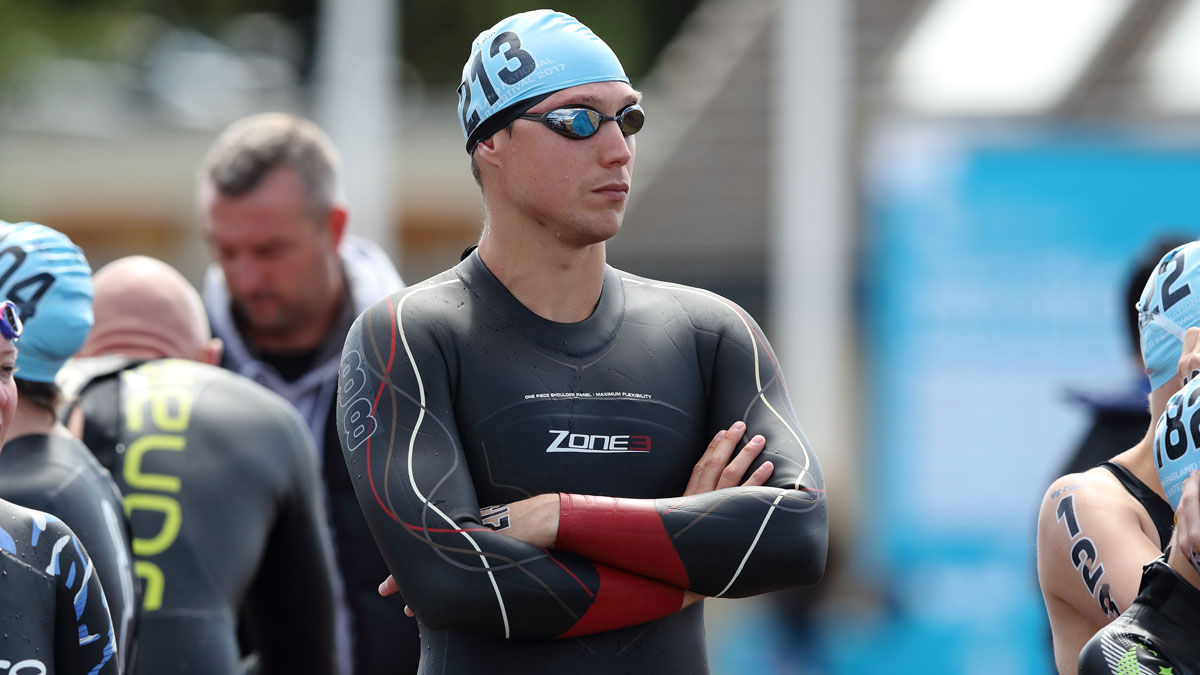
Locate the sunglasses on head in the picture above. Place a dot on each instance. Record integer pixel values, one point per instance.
(580, 123)
(10, 320)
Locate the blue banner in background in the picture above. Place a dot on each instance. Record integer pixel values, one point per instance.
(994, 276)
(993, 279)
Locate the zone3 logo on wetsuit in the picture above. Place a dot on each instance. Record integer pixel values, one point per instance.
(565, 441)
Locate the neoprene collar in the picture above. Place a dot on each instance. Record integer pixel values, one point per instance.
(579, 339)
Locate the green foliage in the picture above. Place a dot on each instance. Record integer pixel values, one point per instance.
(34, 29)
(437, 35)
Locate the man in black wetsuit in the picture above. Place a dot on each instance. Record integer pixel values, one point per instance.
(572, 402)
(218, 476)
(55, 618)
(41, 466)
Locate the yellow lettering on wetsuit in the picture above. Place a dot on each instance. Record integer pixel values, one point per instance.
(158, 407)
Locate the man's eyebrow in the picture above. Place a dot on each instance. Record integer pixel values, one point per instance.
(593, 101)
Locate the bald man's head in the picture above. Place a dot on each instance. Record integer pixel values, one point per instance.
(145, 309)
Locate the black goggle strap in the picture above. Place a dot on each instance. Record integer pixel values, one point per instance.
(10, 321)
(502, 119)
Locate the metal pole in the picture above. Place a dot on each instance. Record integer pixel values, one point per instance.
(810, 263)
(356, 105)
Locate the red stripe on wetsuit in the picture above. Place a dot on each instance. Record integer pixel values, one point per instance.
(625, 599)
(627, 534)
(624, 533)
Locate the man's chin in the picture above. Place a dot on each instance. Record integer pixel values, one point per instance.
(262, 317)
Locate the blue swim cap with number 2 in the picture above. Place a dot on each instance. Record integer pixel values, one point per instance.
(1170, 304)
(529, 55)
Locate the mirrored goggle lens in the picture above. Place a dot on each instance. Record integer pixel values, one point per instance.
(581, 122)
(631, 119)
(10, 321)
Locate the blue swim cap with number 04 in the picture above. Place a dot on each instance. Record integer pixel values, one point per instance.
(1176, 436)
(1170, 304)
(523, 59)
(49, 280)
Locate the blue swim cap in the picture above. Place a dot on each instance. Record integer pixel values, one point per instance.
(524, 57)
(1170, 304)
(49, 280)
(1175, 441)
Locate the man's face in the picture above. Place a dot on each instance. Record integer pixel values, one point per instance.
(577, 188)
(279, 263)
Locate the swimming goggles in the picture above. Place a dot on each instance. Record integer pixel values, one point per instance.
(580, 123)
(10, 320)
(1164, 321)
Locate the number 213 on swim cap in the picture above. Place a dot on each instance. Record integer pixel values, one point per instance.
(527, 55)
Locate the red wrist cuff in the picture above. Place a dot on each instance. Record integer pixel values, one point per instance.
(626, 600)
(625, 533)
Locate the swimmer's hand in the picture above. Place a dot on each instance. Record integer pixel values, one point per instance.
(714, 471)
(1185, 553)
(1189, 357)
(389, 587)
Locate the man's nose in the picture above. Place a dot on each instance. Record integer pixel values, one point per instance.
(616, 149)
(248, 274)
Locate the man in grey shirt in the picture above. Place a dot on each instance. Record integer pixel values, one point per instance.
(286, 283)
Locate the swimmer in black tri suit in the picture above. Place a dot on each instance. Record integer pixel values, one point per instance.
(572, 402)
(53, 614)
(41, 466)
(218, 476)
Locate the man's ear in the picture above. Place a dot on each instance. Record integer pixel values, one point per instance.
(338, 215)
(211, 352)
(486, 151)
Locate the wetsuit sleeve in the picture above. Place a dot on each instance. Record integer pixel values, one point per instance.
(93, 509)
(84, 641)
(734, 542)
(291, 601)
(401, 444)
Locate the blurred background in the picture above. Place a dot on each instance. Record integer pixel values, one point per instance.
(932, 206)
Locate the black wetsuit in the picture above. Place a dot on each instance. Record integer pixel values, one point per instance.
(57, 474)
(1157, 634)
(53, 615)
(454, 396)
(219, 479)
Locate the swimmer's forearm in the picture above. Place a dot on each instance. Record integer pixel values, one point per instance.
(733, 542)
